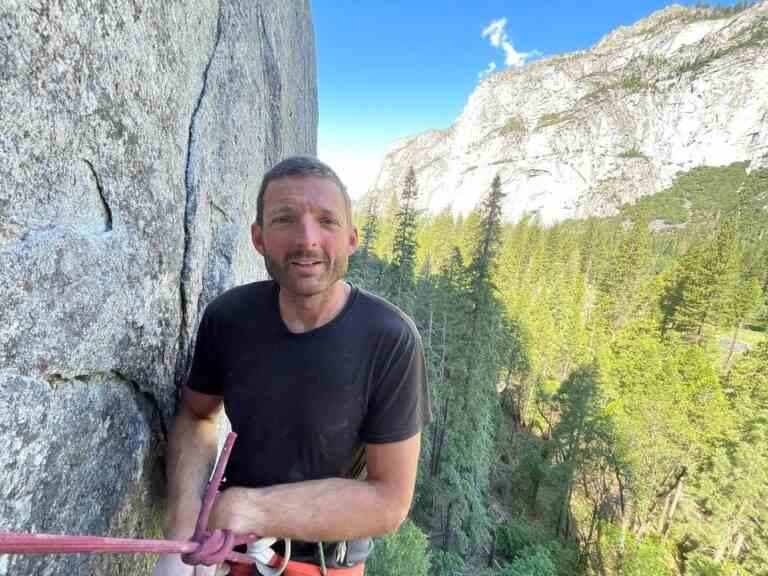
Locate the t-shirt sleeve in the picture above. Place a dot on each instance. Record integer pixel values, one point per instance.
(398, 405)
(203, 377)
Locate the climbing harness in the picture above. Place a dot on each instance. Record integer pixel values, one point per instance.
(293, 568)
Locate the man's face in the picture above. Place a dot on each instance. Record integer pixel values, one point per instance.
(306, 236)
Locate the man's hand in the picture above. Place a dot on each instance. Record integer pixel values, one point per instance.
(213, 548)
(191, 452)
(329, 509)
(190, 457)
(224, 514)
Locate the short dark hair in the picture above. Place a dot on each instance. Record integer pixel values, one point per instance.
(300, 167)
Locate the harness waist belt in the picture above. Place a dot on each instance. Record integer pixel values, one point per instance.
(295, 568)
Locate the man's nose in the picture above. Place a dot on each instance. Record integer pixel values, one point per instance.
(308, 232)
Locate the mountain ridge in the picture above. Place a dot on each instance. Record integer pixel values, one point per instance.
(580, 134)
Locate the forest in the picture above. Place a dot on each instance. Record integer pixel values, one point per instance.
(599, 387)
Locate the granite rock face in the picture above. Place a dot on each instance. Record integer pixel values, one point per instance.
(133, 136)
(580, 134)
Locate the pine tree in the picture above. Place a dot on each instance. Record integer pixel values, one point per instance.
(621, 287)
(436, 237)
(745, 299)
(403, 268)
(452, 291)
(487, 244)
(582, 441)
(385, 237)
(707, 274)
(733, 480)
(471, 403)
(362, 258)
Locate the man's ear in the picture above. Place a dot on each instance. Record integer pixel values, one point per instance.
(257, 238)
(354, 240)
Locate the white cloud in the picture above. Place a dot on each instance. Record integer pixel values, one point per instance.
(496, 32)
(491, 68)
(514, 58)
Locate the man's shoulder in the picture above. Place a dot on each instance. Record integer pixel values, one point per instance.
(232, 303)
(384, 317)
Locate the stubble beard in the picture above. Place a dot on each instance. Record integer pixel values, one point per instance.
(280, 272)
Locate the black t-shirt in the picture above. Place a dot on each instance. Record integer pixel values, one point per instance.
(304, 405)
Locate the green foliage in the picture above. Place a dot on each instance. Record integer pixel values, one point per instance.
(487, 243)
(702, 11)
(648, 557)
(633, 152)
(583, 443)
(514, 536)
(360, 266)
(534, 561)
(662, 407)
(703, 566)
(755, 37)
(628, 83)
(370, 229)
(706, 10)
(466, 405)
(552, 119)
(576, 387)
(387, 227)
(745, 298)
(633, 83)
(447, 564)
(758, 36)
(524, 544)
(514, 125)
(402, 274)
(433, 239)
(623, 288)
(401, 553)
(467, 236)
(696, 196)
(655, 62)
(751, 211)
(702, 289)
(636, 556)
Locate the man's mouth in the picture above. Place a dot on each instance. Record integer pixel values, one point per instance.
(306, 263)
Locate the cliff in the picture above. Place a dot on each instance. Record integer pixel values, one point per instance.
(133, 137)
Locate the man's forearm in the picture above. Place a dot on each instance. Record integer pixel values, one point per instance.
(317, 510)
(191, 453)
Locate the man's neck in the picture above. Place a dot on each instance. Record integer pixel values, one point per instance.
(305, 313)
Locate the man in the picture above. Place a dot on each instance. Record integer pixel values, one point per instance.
(319, 379)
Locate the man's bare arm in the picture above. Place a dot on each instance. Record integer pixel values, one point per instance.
(191, 453)
(331, 509)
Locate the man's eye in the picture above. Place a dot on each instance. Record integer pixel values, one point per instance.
(329, 221)
(281, 220)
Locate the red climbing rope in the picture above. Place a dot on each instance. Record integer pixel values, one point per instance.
(203, 545)
(12, 543)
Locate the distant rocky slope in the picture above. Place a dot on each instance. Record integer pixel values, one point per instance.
(133, 136)
(582, 133)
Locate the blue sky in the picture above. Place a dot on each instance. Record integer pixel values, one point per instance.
(391, 68)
